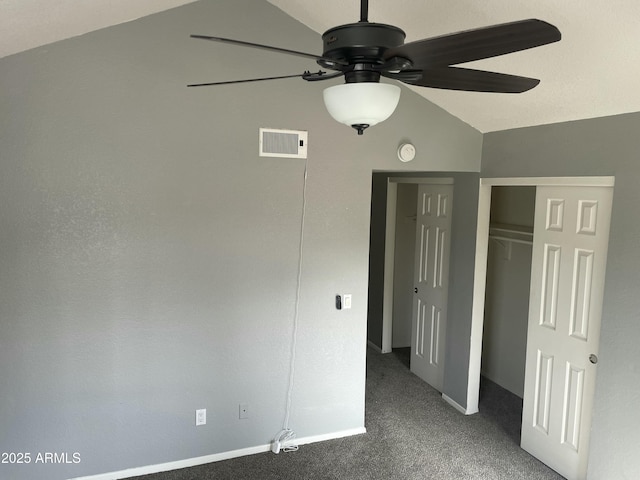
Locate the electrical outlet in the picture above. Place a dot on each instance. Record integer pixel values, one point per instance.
(201, 417)
(346, 301)
(243, 411)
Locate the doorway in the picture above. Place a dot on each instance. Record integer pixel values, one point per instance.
(504, 339)
(419, 220)
(398, 267)
(567, 280)
(382, 267)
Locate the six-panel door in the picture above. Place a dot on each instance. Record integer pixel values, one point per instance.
(571, 232)
(431, 281)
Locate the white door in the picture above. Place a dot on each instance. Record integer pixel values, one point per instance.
(431, 279)
(571, 232)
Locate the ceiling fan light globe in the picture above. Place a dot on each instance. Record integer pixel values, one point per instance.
(364, 103)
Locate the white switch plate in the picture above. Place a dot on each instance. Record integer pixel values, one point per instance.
(201, 417)
(243, 411)
(346, 300)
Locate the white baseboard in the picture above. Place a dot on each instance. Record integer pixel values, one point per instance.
(330, 436)
(456, 405)
(217, 457)
(374, 346)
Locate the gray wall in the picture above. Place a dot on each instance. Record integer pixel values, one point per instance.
(149, 256)
(513, 205)
(461, 269)
(445, 144)
(604, 146)
(376, 259)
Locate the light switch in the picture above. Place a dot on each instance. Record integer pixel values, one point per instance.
(346, 302)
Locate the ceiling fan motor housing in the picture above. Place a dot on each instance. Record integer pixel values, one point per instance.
(360, 43)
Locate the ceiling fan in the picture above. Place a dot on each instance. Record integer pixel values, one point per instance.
(363, 52)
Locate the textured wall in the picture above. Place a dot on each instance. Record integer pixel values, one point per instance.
(149, 256)
(604, 146)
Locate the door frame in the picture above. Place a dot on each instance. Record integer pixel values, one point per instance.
(390, 250)
(481, 256)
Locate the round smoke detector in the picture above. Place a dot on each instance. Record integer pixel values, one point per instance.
(406, 152)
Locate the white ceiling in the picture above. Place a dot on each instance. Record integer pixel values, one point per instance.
(593, 71)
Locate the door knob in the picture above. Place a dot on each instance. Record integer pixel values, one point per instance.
(415, 290)
(593, 358)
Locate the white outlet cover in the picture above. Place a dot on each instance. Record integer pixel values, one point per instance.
(201, 417)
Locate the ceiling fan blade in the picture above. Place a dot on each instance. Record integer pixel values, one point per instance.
(454, 78)
(476, 44)
(327, 62)
(310, 77)
(407, 76)
(229, 82)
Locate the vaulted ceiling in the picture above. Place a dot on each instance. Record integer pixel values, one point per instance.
(593, 71)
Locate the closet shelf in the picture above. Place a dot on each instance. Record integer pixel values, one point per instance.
(511, 233)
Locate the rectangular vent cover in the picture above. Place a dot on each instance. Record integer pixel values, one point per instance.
(283, 143)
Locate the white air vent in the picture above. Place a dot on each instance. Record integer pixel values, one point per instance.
(283, 143)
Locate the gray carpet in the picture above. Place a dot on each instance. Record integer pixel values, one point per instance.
(411, 434)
